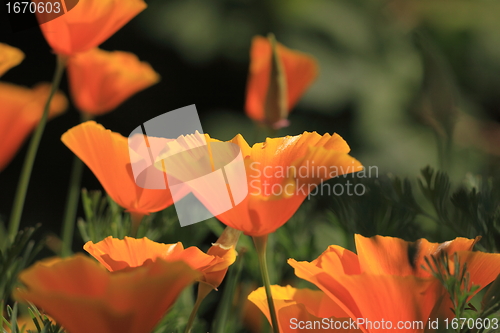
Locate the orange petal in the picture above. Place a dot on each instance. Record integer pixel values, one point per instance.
(338, 259)
(83, 297)
(392, 299)
(22, 109)
(258, 78)
(482, 267)
(301, 309)
(300, 70)
(116, 254)
(335, 260)
(101, 80)
(107, 154)
(394, 256)
(9, 57)
(88, 24)
(375, 297)
(224, 248)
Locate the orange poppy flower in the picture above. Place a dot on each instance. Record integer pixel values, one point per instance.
(9, 57)
(116, 254)
(386, 281)
(87, 24)
(281, 173)
(107, 154)
(21, 109)
(299, 71)
(83, 296)
(303, 310)
(101, 80)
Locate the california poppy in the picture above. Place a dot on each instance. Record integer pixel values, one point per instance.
(106, 153)
(82, 296)
(303, 310)
(87, 25)
(281, 173)
(9, 57)
(386, 281)
(101, 80)
(116, 254)
(295, 72)
(21, 110)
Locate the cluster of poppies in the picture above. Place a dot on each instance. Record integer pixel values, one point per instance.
(132, 283)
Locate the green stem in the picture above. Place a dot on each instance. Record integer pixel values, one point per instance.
(261, 245)
(22, 187)
(69, 219)
(71, 207)
(136, 219)
(203, 290)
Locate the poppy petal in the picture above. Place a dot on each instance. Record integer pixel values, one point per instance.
(116, 254)
(83, 297)
(394, 256)
(88, 24)
(22, 109)
(9, 57)
(107, 154)
(100, 81)
(300, 71)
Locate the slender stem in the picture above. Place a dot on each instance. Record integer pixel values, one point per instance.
(136, 219)
(225, 308)
(261, 245)
(69, 219)
(71, 206)
(203, 290)
(22, 187)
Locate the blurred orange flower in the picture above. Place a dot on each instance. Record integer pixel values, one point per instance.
(116, 254)
(106, 153)
(281, 173)
(299, 71)
(83, 296)
(303, 310)
(388, 272)
(225, 248)
(21, 109)
(88, 24)
(101, 80)
(9, 57)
